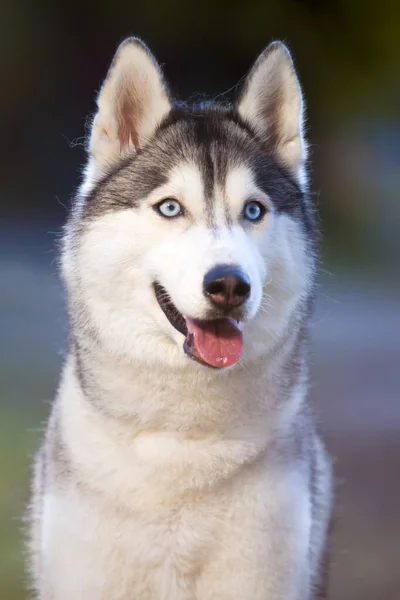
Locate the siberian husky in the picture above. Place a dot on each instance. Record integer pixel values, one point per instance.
(181, 460)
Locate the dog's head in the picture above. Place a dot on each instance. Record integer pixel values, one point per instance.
(192, 233)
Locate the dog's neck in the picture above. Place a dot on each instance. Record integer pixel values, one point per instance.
(195, 400)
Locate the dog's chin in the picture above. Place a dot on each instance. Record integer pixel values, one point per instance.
(215, 341)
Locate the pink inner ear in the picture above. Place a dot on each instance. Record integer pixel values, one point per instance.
(125, 134)
(129, 112)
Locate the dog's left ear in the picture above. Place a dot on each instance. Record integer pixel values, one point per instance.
(133, 101)
(272, 104)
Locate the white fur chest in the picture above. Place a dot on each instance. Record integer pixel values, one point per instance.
(153, 552)
(147, 468)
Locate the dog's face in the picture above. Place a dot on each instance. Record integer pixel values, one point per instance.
(192, 235)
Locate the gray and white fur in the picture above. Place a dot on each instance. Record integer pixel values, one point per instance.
(161, 478)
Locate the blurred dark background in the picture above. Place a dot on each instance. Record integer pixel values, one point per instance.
(53, 59)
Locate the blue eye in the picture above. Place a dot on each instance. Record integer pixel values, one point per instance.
(254, 211)
(169, 208)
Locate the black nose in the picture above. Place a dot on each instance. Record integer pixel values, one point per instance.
(226, 286)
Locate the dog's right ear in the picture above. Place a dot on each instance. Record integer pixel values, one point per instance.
(133, 101)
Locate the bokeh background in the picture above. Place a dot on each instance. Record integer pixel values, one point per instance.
(53, 59)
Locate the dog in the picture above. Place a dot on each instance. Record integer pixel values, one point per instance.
(181, 460)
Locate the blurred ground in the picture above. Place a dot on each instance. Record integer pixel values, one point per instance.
(355, 389)
(356, 383)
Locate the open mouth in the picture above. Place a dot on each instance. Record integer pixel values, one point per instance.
(216, 343)
(169, 309)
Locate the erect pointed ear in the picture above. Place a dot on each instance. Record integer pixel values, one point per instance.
(272, 104)
(133, 101)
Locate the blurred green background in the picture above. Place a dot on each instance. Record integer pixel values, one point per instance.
(53, 59)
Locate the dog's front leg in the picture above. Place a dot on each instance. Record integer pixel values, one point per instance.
(264, 549)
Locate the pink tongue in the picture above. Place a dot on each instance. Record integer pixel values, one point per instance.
(218, 343)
